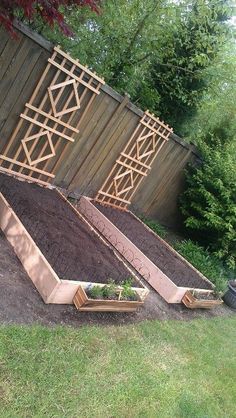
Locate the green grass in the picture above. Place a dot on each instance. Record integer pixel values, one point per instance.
(153, 369)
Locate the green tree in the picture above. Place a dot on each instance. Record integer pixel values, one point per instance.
(155, 50)
(179, 73)
(209, 202)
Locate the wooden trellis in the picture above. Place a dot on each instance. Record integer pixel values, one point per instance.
(135, 162)
(50, 120)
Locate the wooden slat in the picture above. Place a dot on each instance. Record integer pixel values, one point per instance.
(23, 176)
(136, 161)
(29, 167)
(92, 74)
(49, 116)
(114, 197)
(46, 127)
(131, 168)
(72, 75)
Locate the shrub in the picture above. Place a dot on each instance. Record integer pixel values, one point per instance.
(155, 226)
(209, 202)
(205, 262)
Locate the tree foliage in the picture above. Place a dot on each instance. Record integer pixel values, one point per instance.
(48, 10)
(209, 202)
(179, 74)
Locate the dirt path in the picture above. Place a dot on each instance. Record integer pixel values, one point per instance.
(20, 302)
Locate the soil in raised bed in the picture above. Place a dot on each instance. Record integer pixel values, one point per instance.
(154, 248)
(73, 250)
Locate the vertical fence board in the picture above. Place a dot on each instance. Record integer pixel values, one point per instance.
(103, 132)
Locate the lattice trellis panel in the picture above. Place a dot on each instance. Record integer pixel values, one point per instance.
(135, 162)
(51, 119)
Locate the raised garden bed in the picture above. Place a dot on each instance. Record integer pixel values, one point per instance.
(158, 263)
(57, 247)
(204, 300)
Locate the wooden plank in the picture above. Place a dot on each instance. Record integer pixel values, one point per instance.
(72, 75)
(8, 53)
(4, 36)
(49, 116)
(92, 125)
(34, 262)
(13, 68)
(63, 153)
(97, 149)
(9, 119)
(136, 161)
(46, 127)
(82, 67)
(41, 105)
(23, 176)
(20, 82)
(29, 167)
(131, 168)
(114, 197)
(98, 172)
(18, 127)
(34, 36)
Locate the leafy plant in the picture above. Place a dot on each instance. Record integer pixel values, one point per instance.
(95, 292)
(49, 11)
(155, 226)
(109, 290)
(127, 292)
(209, 202)
(162, 49)
(205, 262)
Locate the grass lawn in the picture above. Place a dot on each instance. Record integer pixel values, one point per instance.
(154, 369)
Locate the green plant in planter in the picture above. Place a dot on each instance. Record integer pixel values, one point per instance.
(109, 290)
(95, 292)
(128, 293)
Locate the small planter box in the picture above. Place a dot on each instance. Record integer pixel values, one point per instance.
(190, 301)
(84, 303)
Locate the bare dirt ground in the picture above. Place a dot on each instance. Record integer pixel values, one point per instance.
(20, 302)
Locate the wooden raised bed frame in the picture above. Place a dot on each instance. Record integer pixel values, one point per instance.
(192, 302)
(51, 288)
(155, 277)
(84, 303)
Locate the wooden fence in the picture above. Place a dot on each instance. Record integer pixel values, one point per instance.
(104, 132)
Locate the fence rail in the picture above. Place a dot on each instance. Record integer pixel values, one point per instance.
(103, 133)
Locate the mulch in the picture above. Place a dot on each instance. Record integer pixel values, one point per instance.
(154, 248)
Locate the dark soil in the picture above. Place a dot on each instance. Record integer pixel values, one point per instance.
(74, 251)
(149, 243)
(20, 302)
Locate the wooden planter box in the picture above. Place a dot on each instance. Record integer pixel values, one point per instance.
(84, 303)
(163, 284)
(192, 302)
(51, 288)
